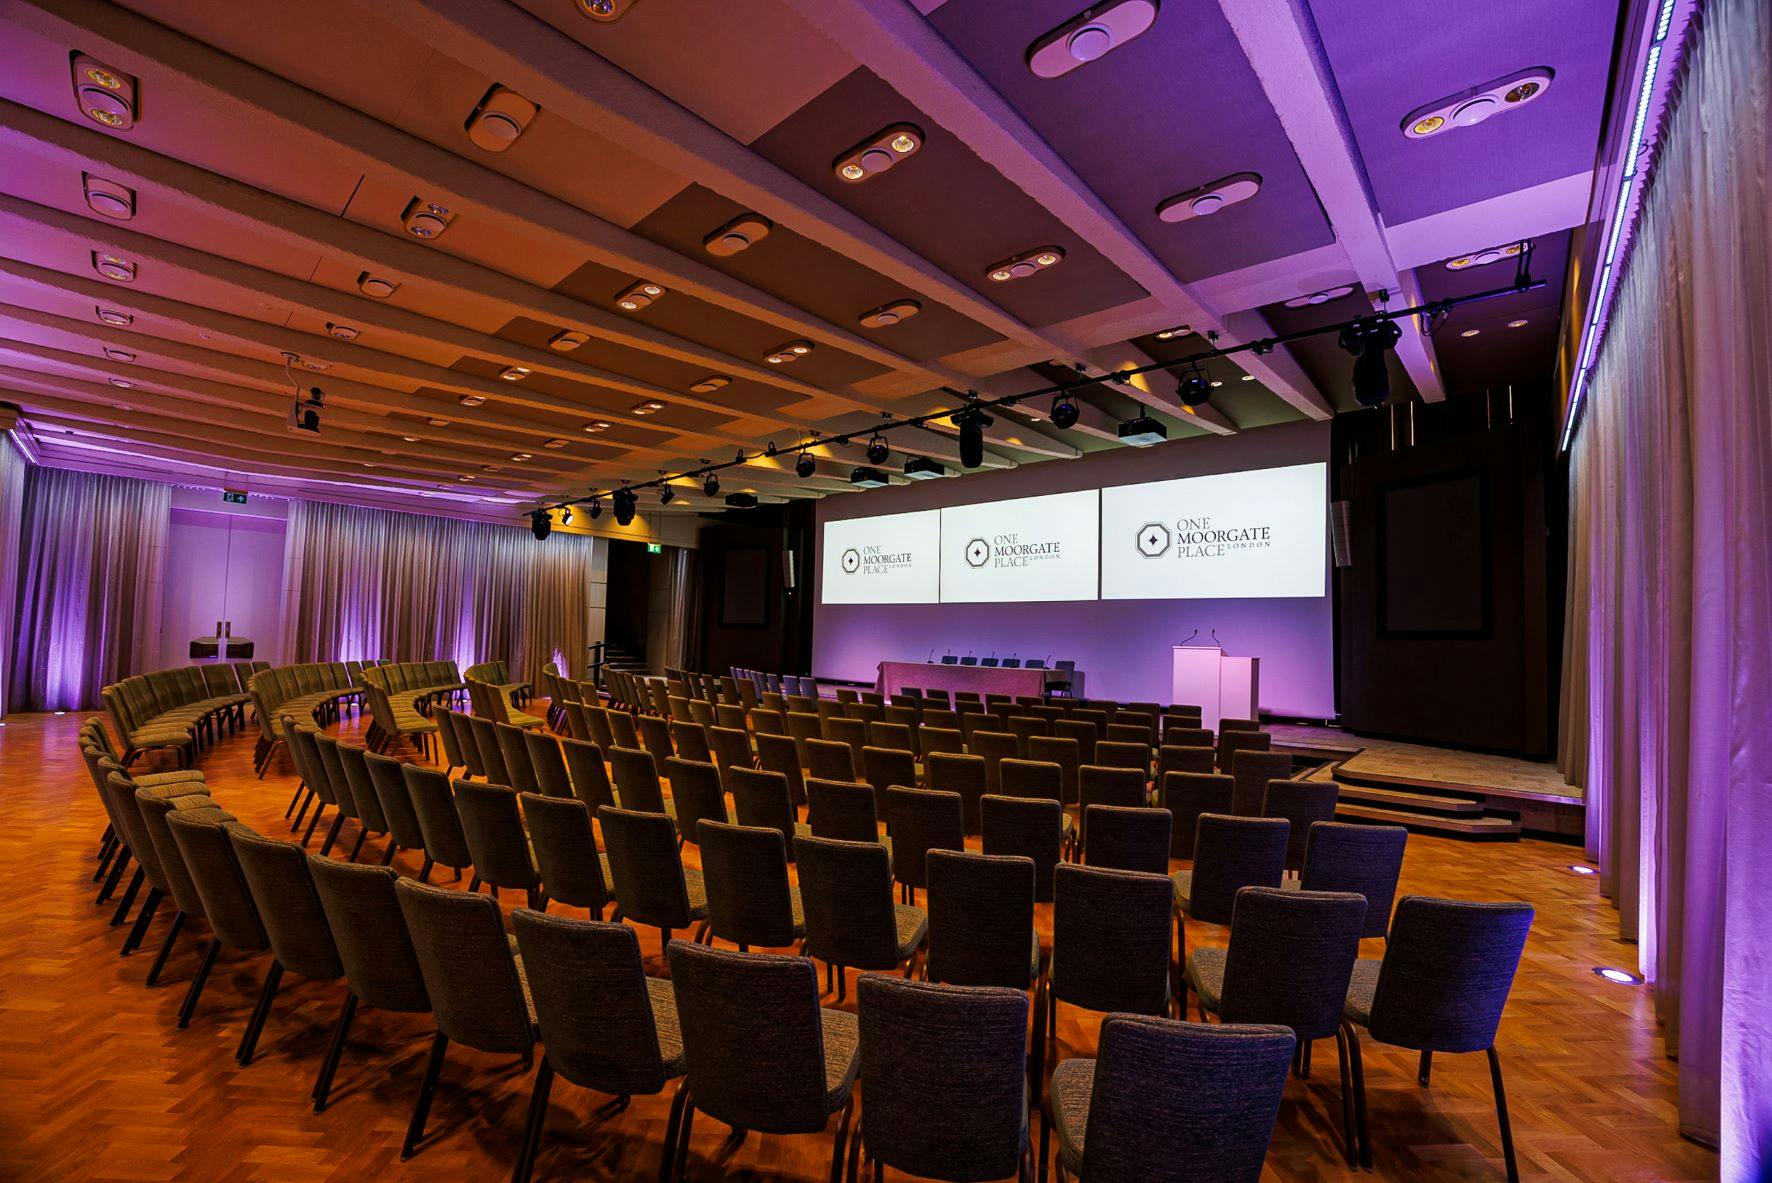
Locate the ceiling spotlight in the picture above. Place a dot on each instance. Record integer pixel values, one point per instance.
(792, 351)
(1322, 297)
(514, 373)
(1247, 378)
(596, 509)
(1470, 332)
(112, 267)
(625, 504)
(106, 95)
(566, 340)
(868, 478)
(1177, 331)
(874, 156)
(434, 422)
(1494, 254)
(1142, 431)
(1209, 199)
(971, 423)
(119, 354)
(471, 400)
(123, 383)
(805, 466)
(741, 233)
(1025, 264)
(1194, 390)
(541, 524)
(666, 495)
(1471, 107)
(376, 286)
(710, 485)
(113, 317)
(1516, 324)
(922, 468)
(554, 443)
(1369, 340)
(425, 219)
(711, 383)
(520, 457)
(605, 11)
(1065, 412)
(638, 296)
(598, 426)
(108, 197)
(566, 516)
(890, 314)
(501, 116)
(877, 450)
(342, 332)
(1086, 37)
(650, 406)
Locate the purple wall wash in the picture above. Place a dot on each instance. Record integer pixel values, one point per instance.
(223, 562)
(1123, 646)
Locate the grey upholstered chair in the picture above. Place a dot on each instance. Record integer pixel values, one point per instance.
(886, 767)
(589, 775)
(282, 888)
(1230, 853)
(760, 798)
(548, 762)
(1172, 757)
(967, 776)
(696, 793)
(829, 759)
(1302, 803)
(921, 820)
(492, 760)
(778, 754)
(646, 874)
(981, 920)
(1252, 771)
(1232, 741)
(1186, 795)
(1366, 860)
(572, 872)
(731, 748)
(433, 801)
(1064, 751)
(933, 740)
(227, 901)
(637, 785)
(513, 749)
(851, 921)
(842, 811)
(750, 901)
(1032, 827)
(1107, 784)
(1129, 839)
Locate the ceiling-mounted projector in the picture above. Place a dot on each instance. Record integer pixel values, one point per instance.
(1142, 432)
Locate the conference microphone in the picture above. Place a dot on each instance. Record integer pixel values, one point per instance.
(1190, 636)
(932, 657)
(1215, 639)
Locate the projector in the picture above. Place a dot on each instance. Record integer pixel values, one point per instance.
(867, 478)
(741, 500)
(1142, 432)
(304, 413)
(922, 468)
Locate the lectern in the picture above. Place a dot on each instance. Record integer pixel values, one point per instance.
(1224, 686)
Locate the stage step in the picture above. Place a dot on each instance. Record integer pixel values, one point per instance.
(1413, 802)
(1459, 826)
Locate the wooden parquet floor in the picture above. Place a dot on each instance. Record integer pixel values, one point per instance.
(96, 1083)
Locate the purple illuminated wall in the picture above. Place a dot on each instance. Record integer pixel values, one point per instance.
(1123, 645)
(222, 561)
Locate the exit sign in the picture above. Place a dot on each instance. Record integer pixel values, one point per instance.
(233, 497)
(653, 548)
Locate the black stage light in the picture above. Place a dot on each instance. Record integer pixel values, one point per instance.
(877, 450)
(1369, 341)
(541, 524)
(566, 516)
(596, 508)
(972, 424)
(805, 466)
(710, 485)
(625, 503)
(666, 495)
(1065, 412)
(1194, 390)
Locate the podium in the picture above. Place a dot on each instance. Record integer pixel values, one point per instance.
(1224, 687)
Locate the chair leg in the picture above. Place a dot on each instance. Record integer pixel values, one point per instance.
(178, 923)
(388, 854)
(1426, 1070)
(307, 798)
(680, 1159)
(1349, 1145)
(416, 1130)
(319, 808)
(424, 872)
(1365, 1132)
(338, 823)
(669, 1155)
(145, 917)
(117, 867)
(135, 884)
(196, 991)
(256, 1025)
(1507, 1129)
(840, 1143)
(1045, 1143)
(357, 846)
(538, 1112)
(329, 1066)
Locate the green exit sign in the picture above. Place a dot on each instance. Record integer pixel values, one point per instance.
(233, 497)
(653, 548)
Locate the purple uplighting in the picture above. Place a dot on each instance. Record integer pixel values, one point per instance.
(1583, 869)
(1621, 977)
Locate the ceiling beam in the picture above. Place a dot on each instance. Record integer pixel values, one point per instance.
(1280, 40)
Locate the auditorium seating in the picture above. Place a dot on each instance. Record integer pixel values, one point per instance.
(177, 709)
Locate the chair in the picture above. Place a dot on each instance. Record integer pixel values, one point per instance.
(636, 780)
(1112, 753)
(940, 740)
(829, 759)
(1239, 725)
(921, 820)
(433, 802)
(647, 875)
(492, 822)
(691, 742)
(780, 755)
(885, 767)
(894, 736)
(513, 749)
(1033, 827)
(1366, 860)
(1135, 732)
(471, 974)
(1177, 758)
(946, 1077)
(731, 748)
(853, 732)
(851, 919)
(1187, 734)
(802, 726)
(1064, 751)
(572, 872)
(842, 811)
(1100, 784)
(750, 901)
(655, 736)
(1230, 853)
(1130, 839)
(1251, 771)
(1200, 1100)
(1231, 741)
(622, 731)
(598, 727)
(369, 930)
(767, 722)
(467, 746)
(326, 748)
(762, 1054)
(202, 840)
(492, 757)
(604, 1024)
(696, 793)
(282, 890)
(590, 776)
(1084, 732)
(967, 776)
(1186, 795)
(1290, 959)
(454, 755)
(729, 715)
(1302, 803)
(1031, 778)
(981, 920)
(1448, 967)
(760, 798)
(552, 777)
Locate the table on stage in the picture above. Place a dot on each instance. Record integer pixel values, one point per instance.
(980, 679)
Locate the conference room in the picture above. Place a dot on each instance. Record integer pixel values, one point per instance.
(1159, 590)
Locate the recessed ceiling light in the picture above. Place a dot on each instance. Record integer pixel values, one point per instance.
(1470, 332)
(112, 267)
(1247, 378)
(555, 443)
(435, 422)
(597, 426)
(1494, 254)
(499, 119)
(411, 439)
(741, 233)
(1086, 37)
(514, 373)
(1209, 199)
(375, 285)
(1216, 383)
(471, 400)
(566, 340)
(106, 95)
(875, 155)
(792, 351)
(108, 197)
(650, 407)
(466, 476)
(520, 457)
(425, 219)
(638, 296)
(1471, 107)
(1516, 324)
(1025, 264)
(1322, 297)
(125, 383)
(1171, 334)
(113, 317)
(711, 383)
(605, 10)
(342, 332)
(887, 315)
(119, 354)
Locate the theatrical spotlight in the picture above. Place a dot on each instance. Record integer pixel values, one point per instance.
(304, 413)
(1065, 412)
(625, 502)
(566, 516)
(666, 495)
(1369, 340)
(541, 524)
(805, 466)
(877, 450)
(1193, 390)
(596, 508)
(710, 485)
(971, 423)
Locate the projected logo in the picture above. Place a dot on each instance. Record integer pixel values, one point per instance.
(851, 561)
(1198, 538)
(1153, 540)
(874, 560)
(978, 553)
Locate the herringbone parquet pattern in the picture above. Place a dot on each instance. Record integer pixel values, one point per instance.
(96, 1083)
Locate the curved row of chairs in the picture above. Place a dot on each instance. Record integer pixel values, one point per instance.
(495, 674)
(179, 709)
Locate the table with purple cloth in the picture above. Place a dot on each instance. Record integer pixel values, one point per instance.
(980, 679)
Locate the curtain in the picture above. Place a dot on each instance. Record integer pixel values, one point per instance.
(91, 555)
(12, 507)
(1668, 665)
(363, 583)
(683, 594)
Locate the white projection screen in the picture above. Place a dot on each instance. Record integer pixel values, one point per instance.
(1259, 534)
(1022, 551)
(892, 559)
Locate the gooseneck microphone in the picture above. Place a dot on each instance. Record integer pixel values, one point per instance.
(1215, 639)
(931, 656)
(1190, 636)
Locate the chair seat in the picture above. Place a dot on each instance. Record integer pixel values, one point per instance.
(913, 929)
(1184, 888)
(664, 1017)
(1072, 1083)
(842, 1056)
(150, 780)
(174, 791)
(697, 890)
(1205, 973)
(1360, 989)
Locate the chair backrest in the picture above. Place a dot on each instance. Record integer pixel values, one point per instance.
(636, 779)
(590, 776)
(1186, 795)
(355, 763)
(691, 741)
(566, 851)
(885, 767)
(846, 893)
(1252, 770)
(895, 736)
(1026, 727)
(843, 811)
(1064, 751)
(696, 792)
(655, 736)
(729, 714)
(593, 1002)
(202, 839)
(1114, 753)
(1250, 725)
(1029, 826)
(1302, 803)
(781, 755)
(1178, 758)
(369, 930)
(981, 920)
(433, 801)
(731, 748)
(936, 740)
(753, 1037)
(468, 747)
(1290, 958)
(946, 1069)
(760, 798)
(622, 731)
(803, 725)
(282, 889)
(1448, 967)
(1187, 733)
(597, 721)
(1232, 741)
(645, 870)
(1110, 939)
(1084, 731)
(548, 763)
(1366, 860)
(746, 872)
(968, 776)
(940, 717)
(1130, 839)
(326, 747)
(1199, 1099)
(853, 732)
(1231, 853)
(468, 968)
(921, 820)
(514, 751)
(1031, 778)
(1100, 784)
(829, 759)
(491, 755)
(388, 785)
(492, 821)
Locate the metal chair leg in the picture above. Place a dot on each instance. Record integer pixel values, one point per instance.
(1507, 1130)
(145, 917)
(255, 1026)
(178, 923)
(538, 1112)
(1349, 1144)
(415, 1131)
(135, 884)
(668, 1157)
(118, 865)
(1359, 1071)
(329, 1066)
(189, 1005)
(841, 1141)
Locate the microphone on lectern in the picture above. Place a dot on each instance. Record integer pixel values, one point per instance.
(932, 656)
(1215, 639)
(1190, 636)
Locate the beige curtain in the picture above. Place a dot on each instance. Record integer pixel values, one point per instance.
(90, 587)
(362, 583)
(1668, 663)
(12, 508)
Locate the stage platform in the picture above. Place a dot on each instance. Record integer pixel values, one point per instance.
(1439, 790)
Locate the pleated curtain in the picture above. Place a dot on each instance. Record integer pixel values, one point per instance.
(1667, 704)
(364, 584)
(90, 586)
(12, 508)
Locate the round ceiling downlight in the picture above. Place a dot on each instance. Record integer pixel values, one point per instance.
(1474, 112)
(1209, 203)
(1089, 43)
